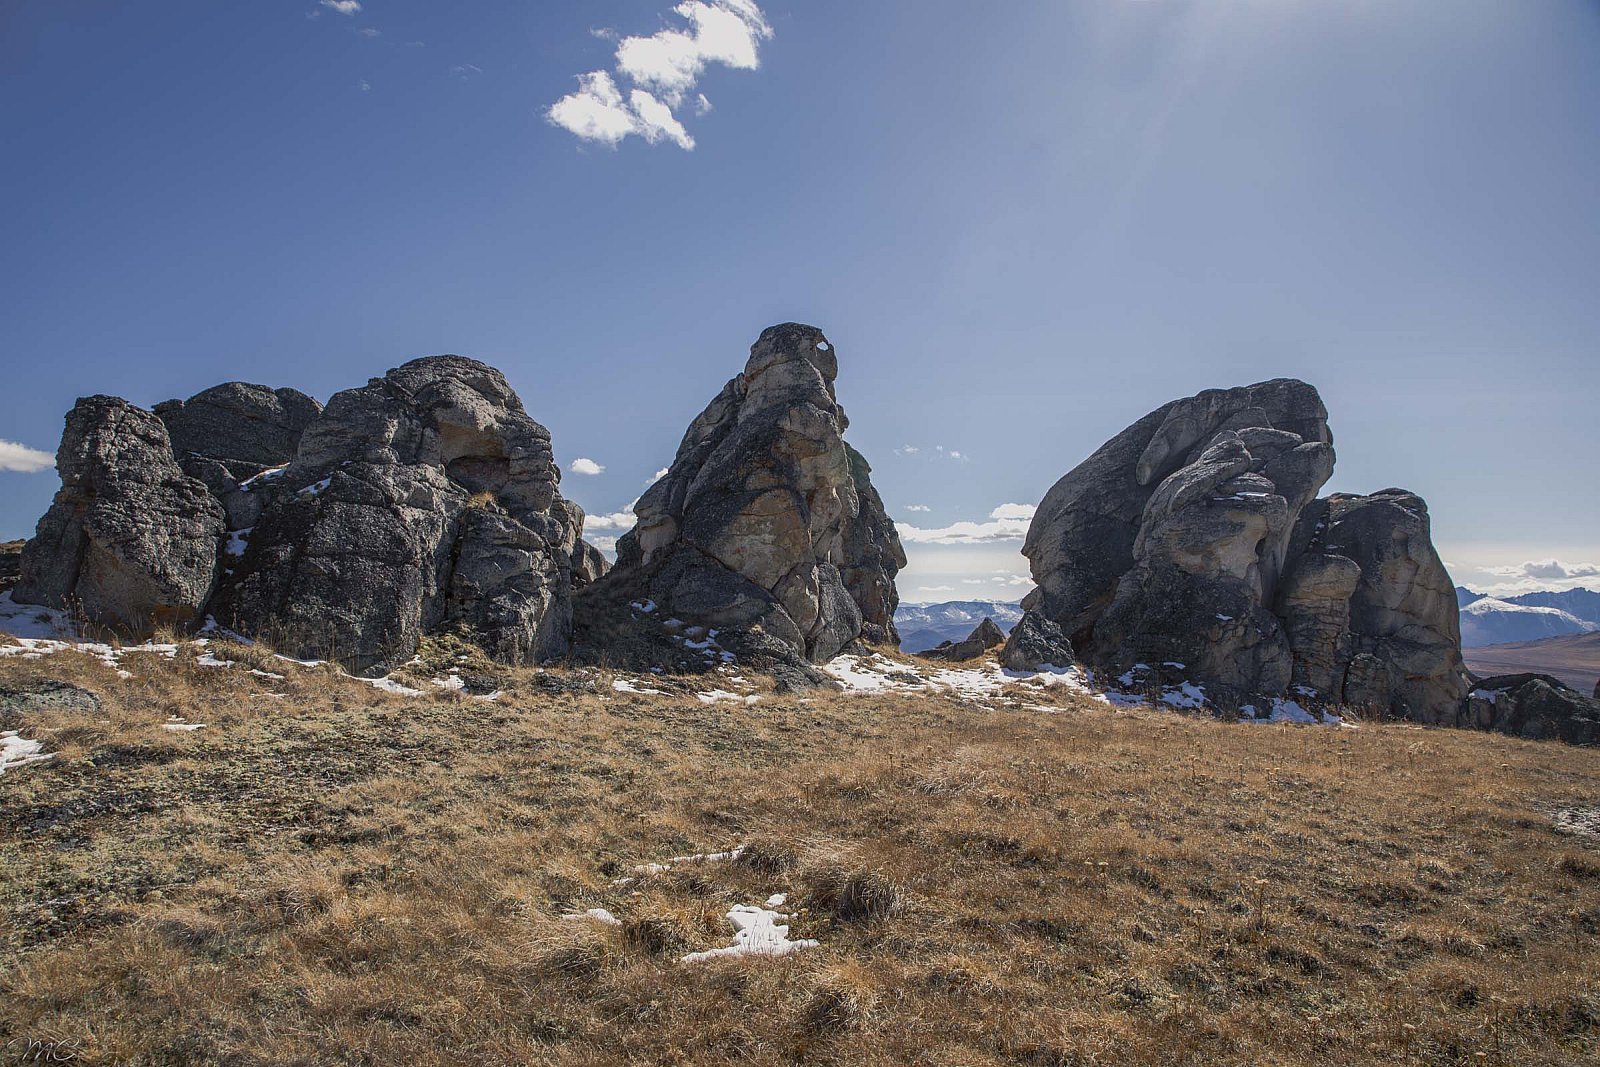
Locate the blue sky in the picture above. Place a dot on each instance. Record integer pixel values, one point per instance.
(1023, 225)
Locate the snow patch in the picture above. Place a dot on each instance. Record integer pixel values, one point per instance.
(18, 751)
(757, 931)
(599, 915)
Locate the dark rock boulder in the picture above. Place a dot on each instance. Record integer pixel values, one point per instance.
(1035, 643)
(130, 541)
(1535, 706)
(766, 527)
(242, 426)
(1401, 652)
(10, 563)
(588, 565)
(1082, 538)
(1194, 542)
(424, 500)
(984, 636)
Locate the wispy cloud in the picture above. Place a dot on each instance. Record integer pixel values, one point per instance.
(585, 465)
(343, 7)
(370, 32)
(1547, 570)
(24, 460)
(365, 86)
(662, 68)
(918, 507)
(938, 452)
(1008, 522)
(466, 70)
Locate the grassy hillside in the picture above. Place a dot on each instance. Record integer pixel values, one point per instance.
(328, 873)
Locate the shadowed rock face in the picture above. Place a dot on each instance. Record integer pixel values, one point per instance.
(1535, 706)
(767, 521)
(245, 427)
(1193, 541)
(426, 499)
(230, 432)
(130, 540)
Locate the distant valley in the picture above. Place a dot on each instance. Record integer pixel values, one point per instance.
(922, 626)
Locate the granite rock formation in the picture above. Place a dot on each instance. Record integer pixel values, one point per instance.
(1036, 643)
(766, 527)
(130, 541)
(424, 500)
(1194, 542)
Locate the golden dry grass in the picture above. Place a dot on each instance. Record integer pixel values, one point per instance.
(329, 874)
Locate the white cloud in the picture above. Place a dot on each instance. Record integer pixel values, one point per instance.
(907, 450)
(664, 67)
(366, 86)
(343, 7)
(370, 32)
(595, 112)
(936, 589)
(24, 460)
(972, 581)
(657, 476)
(656, 121)
(1008, 522)
(1547, 570)
(585, 465)
(466, 70)
(918, 507)
(617, 520)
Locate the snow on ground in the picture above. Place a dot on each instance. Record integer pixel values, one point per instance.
(878, 673)
(16, 751)
(33, 621)
(599, 915)
(757, 931)
(713, 696)
(631, 685)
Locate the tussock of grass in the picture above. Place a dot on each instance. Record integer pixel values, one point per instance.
(330, 873)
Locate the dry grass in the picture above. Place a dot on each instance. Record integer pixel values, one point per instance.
(328, 874)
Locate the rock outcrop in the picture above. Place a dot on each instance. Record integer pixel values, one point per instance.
(246, 427)
(424, 500)
(130, 542)
(1035, 643)
(766, 528)
(1194, 542)
(1535, 706)
(984, 636)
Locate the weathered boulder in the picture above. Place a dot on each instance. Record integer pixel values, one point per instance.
(10, 563)
(130, 541)
(1036, 643)
(1081, 541)
(766, 527)
(984, 636)
(1402, 650)
(1536, 706)
(228, 434)
(426, 499)
(1194, 540)
(245, 427)
(588, 564)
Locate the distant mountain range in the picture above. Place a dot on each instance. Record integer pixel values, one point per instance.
(1487, 620)
(922, 626)
(1575, 659)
